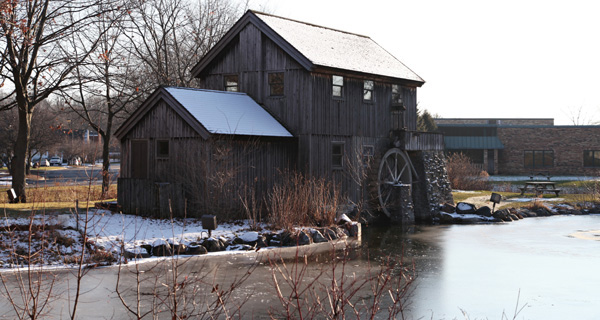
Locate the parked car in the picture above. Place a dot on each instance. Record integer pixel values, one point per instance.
(76, 161)
(56, 161)
(44, 163)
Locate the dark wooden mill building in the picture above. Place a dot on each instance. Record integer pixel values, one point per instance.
(348, 106)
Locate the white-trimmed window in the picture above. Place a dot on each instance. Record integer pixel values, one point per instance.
(368, 90)
(337, 86)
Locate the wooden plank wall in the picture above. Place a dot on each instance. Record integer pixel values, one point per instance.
(162, 122)
(147, 198)
(308, 108)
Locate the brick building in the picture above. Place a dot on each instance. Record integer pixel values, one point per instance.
(524, 146)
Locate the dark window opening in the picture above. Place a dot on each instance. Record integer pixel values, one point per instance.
(276, 83)
(538, 158)
(591, 158)
(162, 149)
(368, 90)
(337, 155)
(231, 83)
(338, 86)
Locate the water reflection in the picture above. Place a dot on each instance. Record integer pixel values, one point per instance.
(480, 269)
(552, 261)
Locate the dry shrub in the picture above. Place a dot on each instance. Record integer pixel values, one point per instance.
(302, 201)
(464, 174)
(537, 205)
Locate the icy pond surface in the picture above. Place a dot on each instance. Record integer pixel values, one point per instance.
(480, 269)
(476, 269)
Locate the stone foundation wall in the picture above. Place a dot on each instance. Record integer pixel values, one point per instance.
(567, 143)
(433, 187)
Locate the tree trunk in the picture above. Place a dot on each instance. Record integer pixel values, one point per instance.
(105, 165)
(106, 137)
(20, 158)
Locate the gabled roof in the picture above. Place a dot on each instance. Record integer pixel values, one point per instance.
(215, 112)
(311, 45)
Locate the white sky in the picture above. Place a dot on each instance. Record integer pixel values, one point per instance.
(479, 58)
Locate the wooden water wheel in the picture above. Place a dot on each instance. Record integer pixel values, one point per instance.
(395, 170)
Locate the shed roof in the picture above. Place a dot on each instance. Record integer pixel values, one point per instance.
(472, 142)
(338, 49)
(211, 112)
(222, 112)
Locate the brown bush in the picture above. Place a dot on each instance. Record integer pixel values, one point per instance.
(464, 174)
(301, 201)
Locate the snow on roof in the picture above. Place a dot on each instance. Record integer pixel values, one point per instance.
(338, 49)
(224, 112)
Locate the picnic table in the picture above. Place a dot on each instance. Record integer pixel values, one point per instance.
(539, 187)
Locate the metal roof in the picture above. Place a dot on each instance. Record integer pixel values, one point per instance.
(472, 142)
(222, 112)
(338, 49)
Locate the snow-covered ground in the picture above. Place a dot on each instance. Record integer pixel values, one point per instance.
(111, 232)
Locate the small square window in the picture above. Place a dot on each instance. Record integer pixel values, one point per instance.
(368, 90)
(231, 83)
(162, 149)
(337, 155)
(338, 86)
(276, 84)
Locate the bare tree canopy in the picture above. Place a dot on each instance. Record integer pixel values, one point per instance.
(171, 36)
(37, 59)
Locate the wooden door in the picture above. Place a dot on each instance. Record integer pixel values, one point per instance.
(139, 159)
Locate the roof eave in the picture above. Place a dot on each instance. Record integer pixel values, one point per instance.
(332, 70)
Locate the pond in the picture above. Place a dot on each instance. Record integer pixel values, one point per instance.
(548, 265)
(552, 262)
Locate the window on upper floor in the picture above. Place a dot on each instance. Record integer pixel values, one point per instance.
(338, 86)
(231, 83)
(276, 84)
(538, 158)
(397, 104)
(337, 155)
(162, 149)
(368, 90)
(591, 158)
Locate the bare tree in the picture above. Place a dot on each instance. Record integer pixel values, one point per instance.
(36, 60)
(43, 136)
(172, 35)
(108, 86)
(578, 117)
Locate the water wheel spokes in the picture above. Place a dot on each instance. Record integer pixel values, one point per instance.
(394, 171)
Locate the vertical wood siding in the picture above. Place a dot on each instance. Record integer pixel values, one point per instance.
(308, 108)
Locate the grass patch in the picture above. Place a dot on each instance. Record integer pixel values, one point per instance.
(462, 196)
(50, 168)
(55, 198)
(15, 210)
